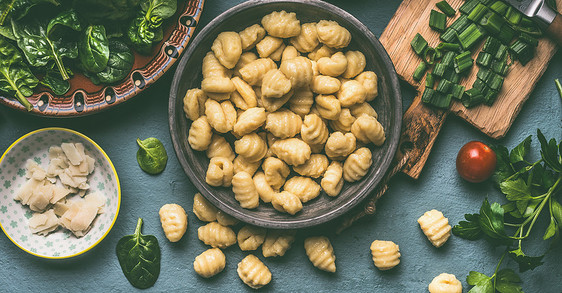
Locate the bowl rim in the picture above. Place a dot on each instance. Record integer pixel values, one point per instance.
(112, 169)
(312, 221)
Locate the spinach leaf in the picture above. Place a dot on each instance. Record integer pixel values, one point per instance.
(139, 257)
(146, 29)
(151, 156)
(54, 81)
(102, 11)
(39, 49)
(6, 31)
(16, 9)
(94, 49)
(159, 8)
(67, 19)
(15, 76)
(120, 62)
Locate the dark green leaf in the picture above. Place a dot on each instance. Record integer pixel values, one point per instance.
(522, 206)
(525, 262)
(515, 190)
(151, 156)
(94, 49)
(139, 257)
(67, 19)
(120, 63)
(551, 230)
(54, 81)
(520, 151)
(549, 152)
(6, 31)
(484, 286)
(531, 206)
(503, 166)
(15, 76)
(145, 30)
(102, 11)
(509, 207)
(16, 9)
(557, 211)
(469, 229)
(506, 282)
(474, 278)
(508, 275)
(159, 8)
(491, 221)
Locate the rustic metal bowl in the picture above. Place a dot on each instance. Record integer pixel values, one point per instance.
(388, 106)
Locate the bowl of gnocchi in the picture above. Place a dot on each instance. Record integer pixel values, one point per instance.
(285, 114)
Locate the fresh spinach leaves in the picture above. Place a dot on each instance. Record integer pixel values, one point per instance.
(120, 62)
(101, 11)
(15, 76)
(151, 156)
(16, 9)
(94, 48)
(53, 80)
(146, 29)
(139, 257)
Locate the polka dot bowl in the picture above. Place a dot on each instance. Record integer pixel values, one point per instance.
(14, 217)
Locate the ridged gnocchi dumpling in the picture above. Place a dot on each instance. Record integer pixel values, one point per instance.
(304, 188)
(221, 116)
(219, 172)
(225, 219)
(283, 123)
(386, 254)
(227, 48)
(277, 242)
(250, 36)
(254, 71)
(250, 237)
(364, 108)
(325, 85)
(209, 263)
(339, 145)
(268, 45)
(219, 147)
(289, 52)
(276, 171)
(298, 70)
(292, 150)
(242, 165)
(334, 65)
(307, 40)
(436, 227)
(332, 34)
(368, 129)
(200, 134)
(321, 51)
(216, 235)
(314, 131)
(351, 92)
(249, 121)
(286, 202)
(301, 101)
(332, 182)
(253, 272)
(275, 84)
(204, 210)
(244, 97)
(245, 59)
(245, 191)
(328, 106)
(313, 167)
(281, 24)
(194, 104)
(369, 80)
(211, 67)
(356, 63)
(251, 146)
(445, 283)
(357, 165)
(344, 121)
(321, 253)
(265, 191)
(174, 221)
(274, 104)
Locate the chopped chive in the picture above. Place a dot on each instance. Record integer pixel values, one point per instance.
(523, 51)
(448, 59)
(444, 86)
(472, 97)
(470, 36)
(484, 59)
(525, 37)
(439, 69)
(491, 45)
(452, 76)
(506, 34)
(457, 91)
(429, 55)
(463, 62)
(496, 82)
(501, 53)
(441, 100)
(479, 85)
(478, 12)
(437, 20)
(420, 71)
(429, 80)
(445, 8)
(558, 86)
(438, 54)
(500, 7)
(492, 22)
(483, 74)
(513, 15)
(448, 47)
(460, 24)
(450, 35)
(499, 67)
(490, 97)
(486, 2)
(468, 6)
(419, 44)
(428, 95)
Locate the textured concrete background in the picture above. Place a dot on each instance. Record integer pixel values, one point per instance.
(439, 187)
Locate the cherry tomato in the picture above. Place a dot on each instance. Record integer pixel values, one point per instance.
(476, 161)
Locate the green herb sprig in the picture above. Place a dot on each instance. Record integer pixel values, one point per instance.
(530, 189)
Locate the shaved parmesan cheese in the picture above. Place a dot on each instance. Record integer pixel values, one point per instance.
(60, 208)
(44, 223)
(72, 153)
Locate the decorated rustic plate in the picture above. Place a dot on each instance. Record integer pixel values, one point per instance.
(14, 217)
(85, 98)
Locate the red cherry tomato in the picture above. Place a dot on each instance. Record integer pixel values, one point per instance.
(476, 161)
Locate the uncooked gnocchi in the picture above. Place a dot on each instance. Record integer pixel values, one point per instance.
(209, 263)
(386, 254)
(436, 227)
(253, 272)
(320, 253)
(445, 283)
(216, 235)
(174, 221)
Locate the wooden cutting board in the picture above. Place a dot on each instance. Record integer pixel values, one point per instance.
(421, 124)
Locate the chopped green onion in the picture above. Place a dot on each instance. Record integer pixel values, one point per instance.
(457, 91)
(470, 36)
(437, 21)
(490, 97)
(492, 22)
(491, 45)
(468, 6)
(479, 85)
(441, 100)
(420, 71)
(450, 35)
(558, 86)
(472, 97)
(523, 51)
(418, 44)
(448, 59)
(501, 53)
(513, 15)
(499, 67)
(444, 86)
(463, 62)
(525, 37)
(460, 24)
(427, 95)
(499, 7)
(484, 59)
(478, 12)
(530, 27)
(483, 73)
(439, 69)
(496, 82)
(429, 80)
(452, 76)
(429, 55)
(438, 54)
(449, 47)
(507, 33)
(446, 8)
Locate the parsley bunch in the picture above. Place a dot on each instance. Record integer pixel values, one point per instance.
(530, 189)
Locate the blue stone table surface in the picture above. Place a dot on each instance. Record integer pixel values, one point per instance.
(439, 187)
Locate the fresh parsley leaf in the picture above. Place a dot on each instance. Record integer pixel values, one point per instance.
(508, 275)
(491, 221)
(503, 165)
(515, 190)
(506, 282)
(469, 229)
(520, 151)
(525, 262)
(551, 230)
(557, 211)
(474, 278)
(484, 286)
(522, 206)
(549, 152)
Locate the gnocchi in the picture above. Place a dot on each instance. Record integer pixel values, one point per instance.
(253, 272)
(174, 221)
(321, 253)
(216, 235)
(386, 254)
(209, 263)
(436, 227)
(445, 283)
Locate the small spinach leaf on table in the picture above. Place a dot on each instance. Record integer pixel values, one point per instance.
(15, 76)
(151, 156)
(94, 49)
(139, 257)
(120, 62)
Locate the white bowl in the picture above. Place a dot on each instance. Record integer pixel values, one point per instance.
(14, 216)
